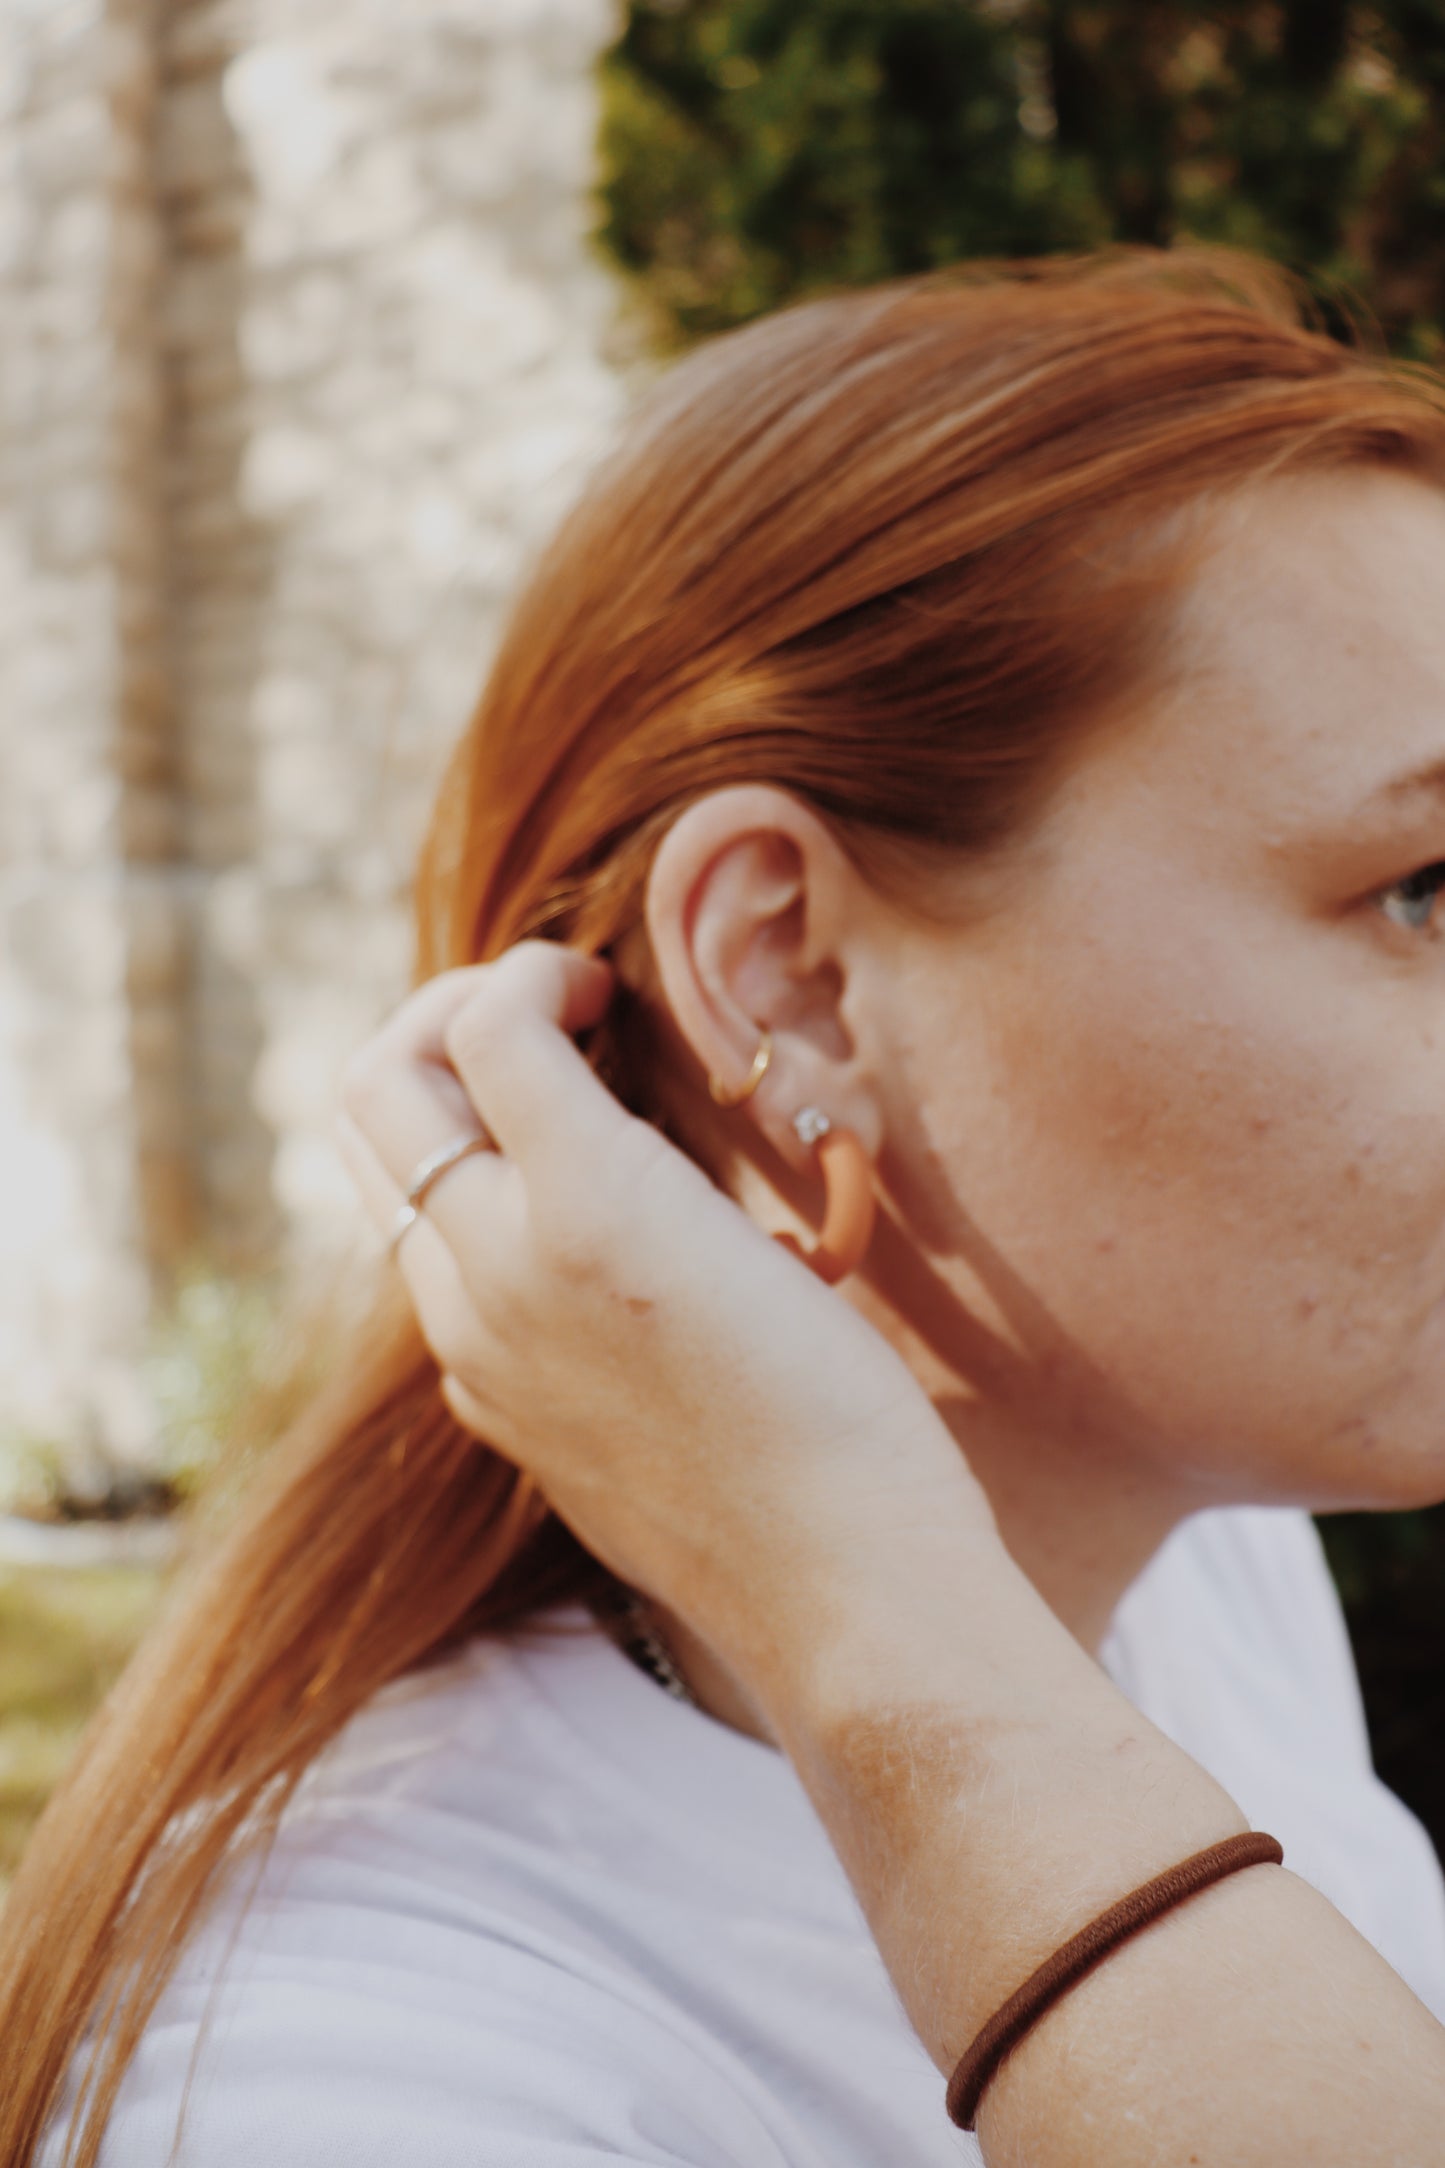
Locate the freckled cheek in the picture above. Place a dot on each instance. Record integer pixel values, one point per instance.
(1259, 1125)
(1267, 1161)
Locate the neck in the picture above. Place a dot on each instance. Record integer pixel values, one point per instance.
(1080, 1519)
(1080, 1511)
(1081, 1514)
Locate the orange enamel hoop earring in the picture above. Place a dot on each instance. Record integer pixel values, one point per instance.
(849, 1211)
(850, 1206)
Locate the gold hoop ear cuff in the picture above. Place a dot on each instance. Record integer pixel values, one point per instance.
(733, 1096)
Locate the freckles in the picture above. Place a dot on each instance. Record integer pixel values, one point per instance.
(1359, 1335)
(1359, 1432)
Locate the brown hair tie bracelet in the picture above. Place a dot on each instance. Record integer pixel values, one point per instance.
(1058, 1973)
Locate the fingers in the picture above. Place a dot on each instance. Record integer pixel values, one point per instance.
(466, 1407)
(400, 1089)
(518, 1078)
(397, 1113)
(446, 1310)
(427, 1264)
(379, 1192)
(509, 1042)
(482, 1013)
(485, 1047)
(401, 1103)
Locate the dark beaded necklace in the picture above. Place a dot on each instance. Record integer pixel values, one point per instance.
(624, 1615)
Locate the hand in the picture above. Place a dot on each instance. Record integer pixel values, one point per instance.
(735, 1440)
(711, 1421)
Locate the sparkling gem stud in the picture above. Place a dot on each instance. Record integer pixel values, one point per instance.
(811, 1123)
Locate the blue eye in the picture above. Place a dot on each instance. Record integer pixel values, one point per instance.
(1411, 902)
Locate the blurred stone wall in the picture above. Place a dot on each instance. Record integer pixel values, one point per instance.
(302, 351)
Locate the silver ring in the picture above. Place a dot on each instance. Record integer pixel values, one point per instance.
(429, 1171)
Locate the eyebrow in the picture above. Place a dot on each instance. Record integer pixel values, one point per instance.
(1427, 782)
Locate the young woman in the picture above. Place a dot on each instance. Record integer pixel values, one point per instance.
(978, 748)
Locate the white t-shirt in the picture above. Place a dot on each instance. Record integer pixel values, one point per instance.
(531, 1912)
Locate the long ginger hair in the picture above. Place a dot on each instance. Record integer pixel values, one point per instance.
(891, 551)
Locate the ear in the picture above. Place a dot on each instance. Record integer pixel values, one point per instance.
(757, 917)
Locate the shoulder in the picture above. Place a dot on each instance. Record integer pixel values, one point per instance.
(1242, 1596)
(336, 2063)
(407, 1976)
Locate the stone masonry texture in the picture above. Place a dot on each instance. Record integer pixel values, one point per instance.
(303, 348)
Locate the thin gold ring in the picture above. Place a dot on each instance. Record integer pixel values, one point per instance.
(428, 1173)
(726, 1098)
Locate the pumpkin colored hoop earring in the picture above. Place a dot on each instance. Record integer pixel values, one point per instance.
(851, 1206)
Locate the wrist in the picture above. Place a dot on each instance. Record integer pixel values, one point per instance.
(855, 1584)
(902, 1614)
(986, 1786)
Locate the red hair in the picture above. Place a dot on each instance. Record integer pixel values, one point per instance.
(892, 551)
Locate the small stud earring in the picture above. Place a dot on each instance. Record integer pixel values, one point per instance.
(850, 1207)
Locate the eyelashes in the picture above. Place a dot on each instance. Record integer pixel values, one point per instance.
(1411, 902)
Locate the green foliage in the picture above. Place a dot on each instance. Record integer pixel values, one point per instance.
(1390, 1569)
(755, 151)
(64, 1638)
(228, 1359)
(210, 1350)
(233, 1359)
(229, 1363)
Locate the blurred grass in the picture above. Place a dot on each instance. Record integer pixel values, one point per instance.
(230, 1362)
(65, 1635)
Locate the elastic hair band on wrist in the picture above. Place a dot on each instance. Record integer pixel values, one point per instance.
(1068, 1965)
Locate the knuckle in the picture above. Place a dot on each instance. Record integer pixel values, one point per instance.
(576, 1244)
(462, 1404)
(452, 1337)
(476, 1023)
(528, 971)
(361, 1084)
(524, 956)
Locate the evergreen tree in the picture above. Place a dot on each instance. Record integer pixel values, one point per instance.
(758, 150)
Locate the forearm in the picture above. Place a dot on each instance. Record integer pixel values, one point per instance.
(990, 1792)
